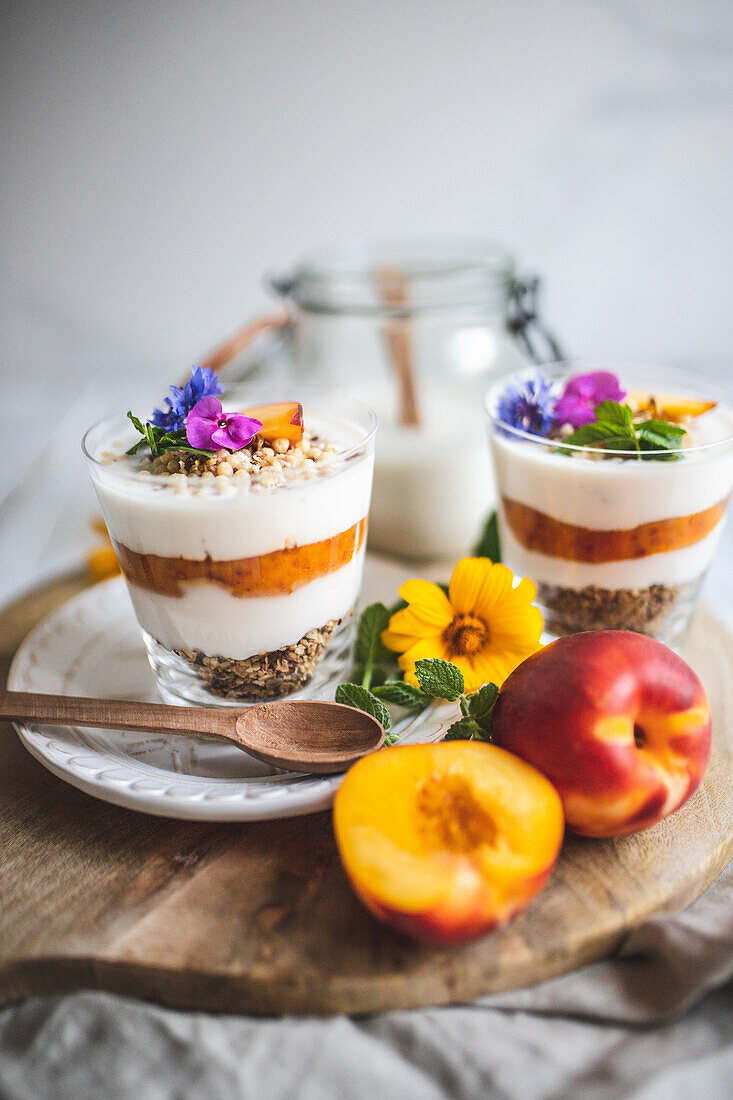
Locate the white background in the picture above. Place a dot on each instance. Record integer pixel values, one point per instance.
(158, 157)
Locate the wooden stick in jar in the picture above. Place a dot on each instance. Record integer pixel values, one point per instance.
(392, 290)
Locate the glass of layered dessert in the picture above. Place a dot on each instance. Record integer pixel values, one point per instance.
(613, 486)
(240, 528)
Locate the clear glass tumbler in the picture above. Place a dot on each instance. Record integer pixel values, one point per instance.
(613, 541)
(243, 593)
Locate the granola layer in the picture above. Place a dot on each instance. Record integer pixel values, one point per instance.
(266, 675)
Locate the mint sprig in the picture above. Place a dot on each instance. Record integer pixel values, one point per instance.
(615, 429)
(376, 669)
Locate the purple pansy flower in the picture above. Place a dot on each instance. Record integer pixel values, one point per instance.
(581, 395)
(202, 383)
(529, 405)
(208, 427)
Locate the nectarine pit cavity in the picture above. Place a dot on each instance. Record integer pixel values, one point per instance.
(450, 816)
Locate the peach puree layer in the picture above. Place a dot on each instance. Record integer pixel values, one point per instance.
(539, 532)
(275, 574)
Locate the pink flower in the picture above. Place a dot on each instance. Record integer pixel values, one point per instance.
(582, 393)
(208, 427)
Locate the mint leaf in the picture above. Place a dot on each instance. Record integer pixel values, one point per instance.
(401, 694)
(488, 543)
(354, 695)
(657, 436)
(481, 705)
(663, 428)
(369, 649)
(465, 729)
(439, 678)
(611, 412)
(599, 432)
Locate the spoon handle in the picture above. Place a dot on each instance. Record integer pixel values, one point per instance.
(119, 714)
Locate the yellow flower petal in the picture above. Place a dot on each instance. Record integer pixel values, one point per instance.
(495, 592)
(466, 582)
(427, 601)
(432, 647)
(398, 643)
(409, 621)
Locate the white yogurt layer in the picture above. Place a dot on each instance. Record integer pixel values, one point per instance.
(615, 494)
(208, 617)
(227, 521)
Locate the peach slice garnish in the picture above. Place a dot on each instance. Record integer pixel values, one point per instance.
(447, 841)
(668, 406)
(280, 421)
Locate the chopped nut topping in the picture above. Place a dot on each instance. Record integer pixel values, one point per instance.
(258, 466)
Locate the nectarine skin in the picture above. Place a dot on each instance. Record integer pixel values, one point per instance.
(446, 842)
(617, 721)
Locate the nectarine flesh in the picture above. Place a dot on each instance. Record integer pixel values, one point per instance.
(617, 721)
(280, 421)
(447, 841)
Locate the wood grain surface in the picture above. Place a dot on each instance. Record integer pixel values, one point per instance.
(259, 917)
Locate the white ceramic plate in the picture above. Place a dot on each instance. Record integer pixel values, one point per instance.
(92, 646)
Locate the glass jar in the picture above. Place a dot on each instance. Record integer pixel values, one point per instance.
(415, 327)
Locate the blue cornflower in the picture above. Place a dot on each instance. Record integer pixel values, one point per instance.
(202, 383)
(528, 404)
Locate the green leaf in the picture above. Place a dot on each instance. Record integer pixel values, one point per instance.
(369, 649)
(354, 695)
(439, 678)
(481, 705)
(663, 428)
(488, 544)
(465, 729)
(611, 412)
(597, 433)
(137, 424)
(401, 694)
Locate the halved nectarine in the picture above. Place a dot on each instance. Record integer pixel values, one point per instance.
(447, 841)
(280, 421)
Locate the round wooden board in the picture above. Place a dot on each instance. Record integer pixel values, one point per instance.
(259, 918)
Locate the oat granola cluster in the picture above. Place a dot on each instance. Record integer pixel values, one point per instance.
(259, 465)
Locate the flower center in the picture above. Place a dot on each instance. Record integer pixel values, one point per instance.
(465, 635)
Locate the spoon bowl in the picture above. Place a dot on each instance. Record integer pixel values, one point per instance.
(305, 735)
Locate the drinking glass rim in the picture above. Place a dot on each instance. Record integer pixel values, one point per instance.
(253, 398)
(562, 369)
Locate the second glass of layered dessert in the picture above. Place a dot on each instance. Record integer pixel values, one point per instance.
(240, 528)
(613, 486)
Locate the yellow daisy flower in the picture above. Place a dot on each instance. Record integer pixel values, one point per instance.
(484, 625)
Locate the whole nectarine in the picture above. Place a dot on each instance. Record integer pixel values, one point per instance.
(617, 721)
(447, 841)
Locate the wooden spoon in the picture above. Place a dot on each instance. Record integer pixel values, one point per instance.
(300, 734)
